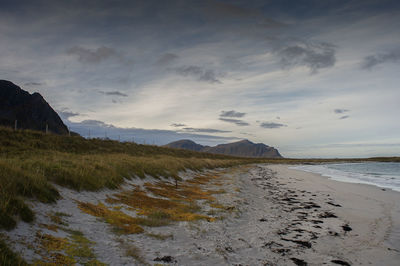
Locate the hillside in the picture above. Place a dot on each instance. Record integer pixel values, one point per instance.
(243, 148)
(30, 110)
(185, 144)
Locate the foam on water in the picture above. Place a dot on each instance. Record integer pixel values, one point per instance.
(384, 175)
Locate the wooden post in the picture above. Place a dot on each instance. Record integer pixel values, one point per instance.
(69, 132)
(47, 128)
(176, 183)
(89, 133)
(15, 125)
(119, 138)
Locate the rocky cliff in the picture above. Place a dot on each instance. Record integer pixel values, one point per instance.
(30, 110)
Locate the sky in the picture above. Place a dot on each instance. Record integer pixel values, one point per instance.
(310, 78)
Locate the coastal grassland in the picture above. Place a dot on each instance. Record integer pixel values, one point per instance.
(32, 162)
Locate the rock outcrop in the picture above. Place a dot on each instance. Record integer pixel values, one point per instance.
(30, 110)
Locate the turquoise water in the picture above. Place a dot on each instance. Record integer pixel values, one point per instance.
(384, 175)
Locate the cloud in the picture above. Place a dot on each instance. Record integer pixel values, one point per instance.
(113, 93)
(340, 111)
(100, 129)
(200, 73)
(344, 117)
(35, 84)
(224, 10)
(65, 114)
(167, 59)
(235, 121)
(272, 125)
(231, 113)
(371, 61)
(205, 130)
(177, 125)
(94, 56)
(315, 56)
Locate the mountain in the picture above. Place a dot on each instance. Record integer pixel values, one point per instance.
(30, 110)
(186, 144)
(243, 148)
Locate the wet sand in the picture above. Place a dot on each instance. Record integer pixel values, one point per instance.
(373, 214)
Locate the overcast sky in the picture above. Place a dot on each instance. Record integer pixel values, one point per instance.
(311, 78)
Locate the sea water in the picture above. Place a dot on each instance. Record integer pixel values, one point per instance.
(380, 174)
(384, 175)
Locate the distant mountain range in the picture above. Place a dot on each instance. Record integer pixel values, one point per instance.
(243, 148)
(30, 111)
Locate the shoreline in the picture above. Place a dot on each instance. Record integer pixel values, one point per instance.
(259, 214)
(343, 179)
(373, 212)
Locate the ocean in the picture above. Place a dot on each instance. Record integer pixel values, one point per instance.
(384, 175)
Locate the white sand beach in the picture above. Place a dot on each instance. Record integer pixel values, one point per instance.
(273, 215)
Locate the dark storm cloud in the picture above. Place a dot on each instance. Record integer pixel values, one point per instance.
(113, 93)
(206, 75)
(224, 10)
(340, 111)
(272, 125)
(177, 125)
(372, 61)
(94, 56)
(315, 56)
(344, 117)
(231, 113)
(167, 59)
(205, 130)
(235, 121)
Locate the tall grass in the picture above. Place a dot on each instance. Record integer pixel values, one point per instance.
(31, 162)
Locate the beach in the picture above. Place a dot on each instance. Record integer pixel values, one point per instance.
(372, 213)
(263, 215)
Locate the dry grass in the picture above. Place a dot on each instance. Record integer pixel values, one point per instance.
(158, 204)
(121, 221)
(65, 251)
(30, 162)
(8, 257)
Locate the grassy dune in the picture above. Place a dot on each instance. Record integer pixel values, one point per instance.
(31, 162)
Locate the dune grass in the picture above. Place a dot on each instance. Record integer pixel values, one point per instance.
(31, 162)
(8, 257)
